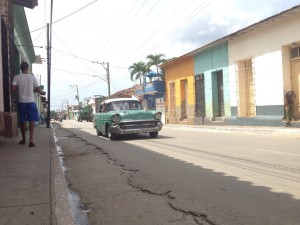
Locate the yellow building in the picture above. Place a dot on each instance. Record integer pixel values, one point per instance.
(180, 90)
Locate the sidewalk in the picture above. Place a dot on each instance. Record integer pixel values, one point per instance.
(32, 184)
(293, 130)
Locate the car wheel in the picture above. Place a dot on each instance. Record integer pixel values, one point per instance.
(153, 134)
(110, 135)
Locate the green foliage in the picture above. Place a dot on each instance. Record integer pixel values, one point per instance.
(155, 60)
(137, 71)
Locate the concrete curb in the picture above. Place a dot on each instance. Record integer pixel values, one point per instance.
(60, 199)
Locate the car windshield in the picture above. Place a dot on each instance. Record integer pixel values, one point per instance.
(126, 105)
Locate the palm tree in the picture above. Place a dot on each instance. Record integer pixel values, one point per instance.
(155, 60)
(137, 71)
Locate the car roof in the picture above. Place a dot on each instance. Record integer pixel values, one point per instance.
(120, 99)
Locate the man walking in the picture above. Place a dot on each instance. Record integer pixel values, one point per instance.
(27, 84)
(289, 105)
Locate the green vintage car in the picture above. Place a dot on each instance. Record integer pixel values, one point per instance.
(122, 116)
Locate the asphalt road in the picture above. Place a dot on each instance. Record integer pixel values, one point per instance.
(185, 176)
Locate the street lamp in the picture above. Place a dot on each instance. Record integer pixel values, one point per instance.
(107, 73)
(100, 77)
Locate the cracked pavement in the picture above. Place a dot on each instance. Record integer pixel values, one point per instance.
(170, 180)
(108, 191)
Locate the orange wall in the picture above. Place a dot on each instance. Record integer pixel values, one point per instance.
(176, 71)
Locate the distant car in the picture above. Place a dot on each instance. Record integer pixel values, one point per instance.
(122, 116)
(86, 114)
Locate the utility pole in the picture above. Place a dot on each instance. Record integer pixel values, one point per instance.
(49, 75)
(77, 97)
(49, 46)
(108, 79)
(107, 74)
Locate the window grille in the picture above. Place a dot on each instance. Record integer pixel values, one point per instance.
(295, 52)
(245, 88)
(200, 95)
(172, 107)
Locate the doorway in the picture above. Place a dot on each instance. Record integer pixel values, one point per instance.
(183, 93)
(295, 80)
(200, 95)
(218, 94)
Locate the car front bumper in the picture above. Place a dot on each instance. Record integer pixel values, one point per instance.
(132, 128)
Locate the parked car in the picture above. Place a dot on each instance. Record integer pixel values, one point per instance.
(122, 116)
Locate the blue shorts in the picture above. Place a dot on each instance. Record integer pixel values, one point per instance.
(28, 112)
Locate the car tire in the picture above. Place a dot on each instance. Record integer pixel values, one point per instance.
(110, 135)
(153, 134)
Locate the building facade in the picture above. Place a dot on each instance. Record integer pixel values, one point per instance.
(16, 46)
(262, 68)
(180, 91)
(211, 64)
(239, 79)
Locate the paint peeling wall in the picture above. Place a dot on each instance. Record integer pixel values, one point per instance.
(208, 62)
(178, 71)
(271, 56)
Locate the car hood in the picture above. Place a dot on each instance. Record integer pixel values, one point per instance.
(136, 115)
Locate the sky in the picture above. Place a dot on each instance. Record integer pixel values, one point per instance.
(87, 33)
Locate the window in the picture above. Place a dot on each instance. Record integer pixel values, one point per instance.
(245, 88)
(200, 95)
(295, 52)
(172, 107)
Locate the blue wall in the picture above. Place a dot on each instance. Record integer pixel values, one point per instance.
(153, 90)
(156, 85)
(209, 62)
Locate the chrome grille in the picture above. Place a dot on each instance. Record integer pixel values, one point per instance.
(138, 124)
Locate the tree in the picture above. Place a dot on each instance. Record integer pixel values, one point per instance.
(137, 71)
(155, 60)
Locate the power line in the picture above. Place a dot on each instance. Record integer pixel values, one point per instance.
(178, 27)
(111, 39)
(132, 18)
(87, 60)
(74, 55)
(130, 33)
(176, 13)
(78, 10)
(73, 73)
(75, 12)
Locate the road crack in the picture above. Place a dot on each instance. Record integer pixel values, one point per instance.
(198, 218)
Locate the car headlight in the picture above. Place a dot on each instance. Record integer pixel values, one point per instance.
(157, 116)
(115, 118)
